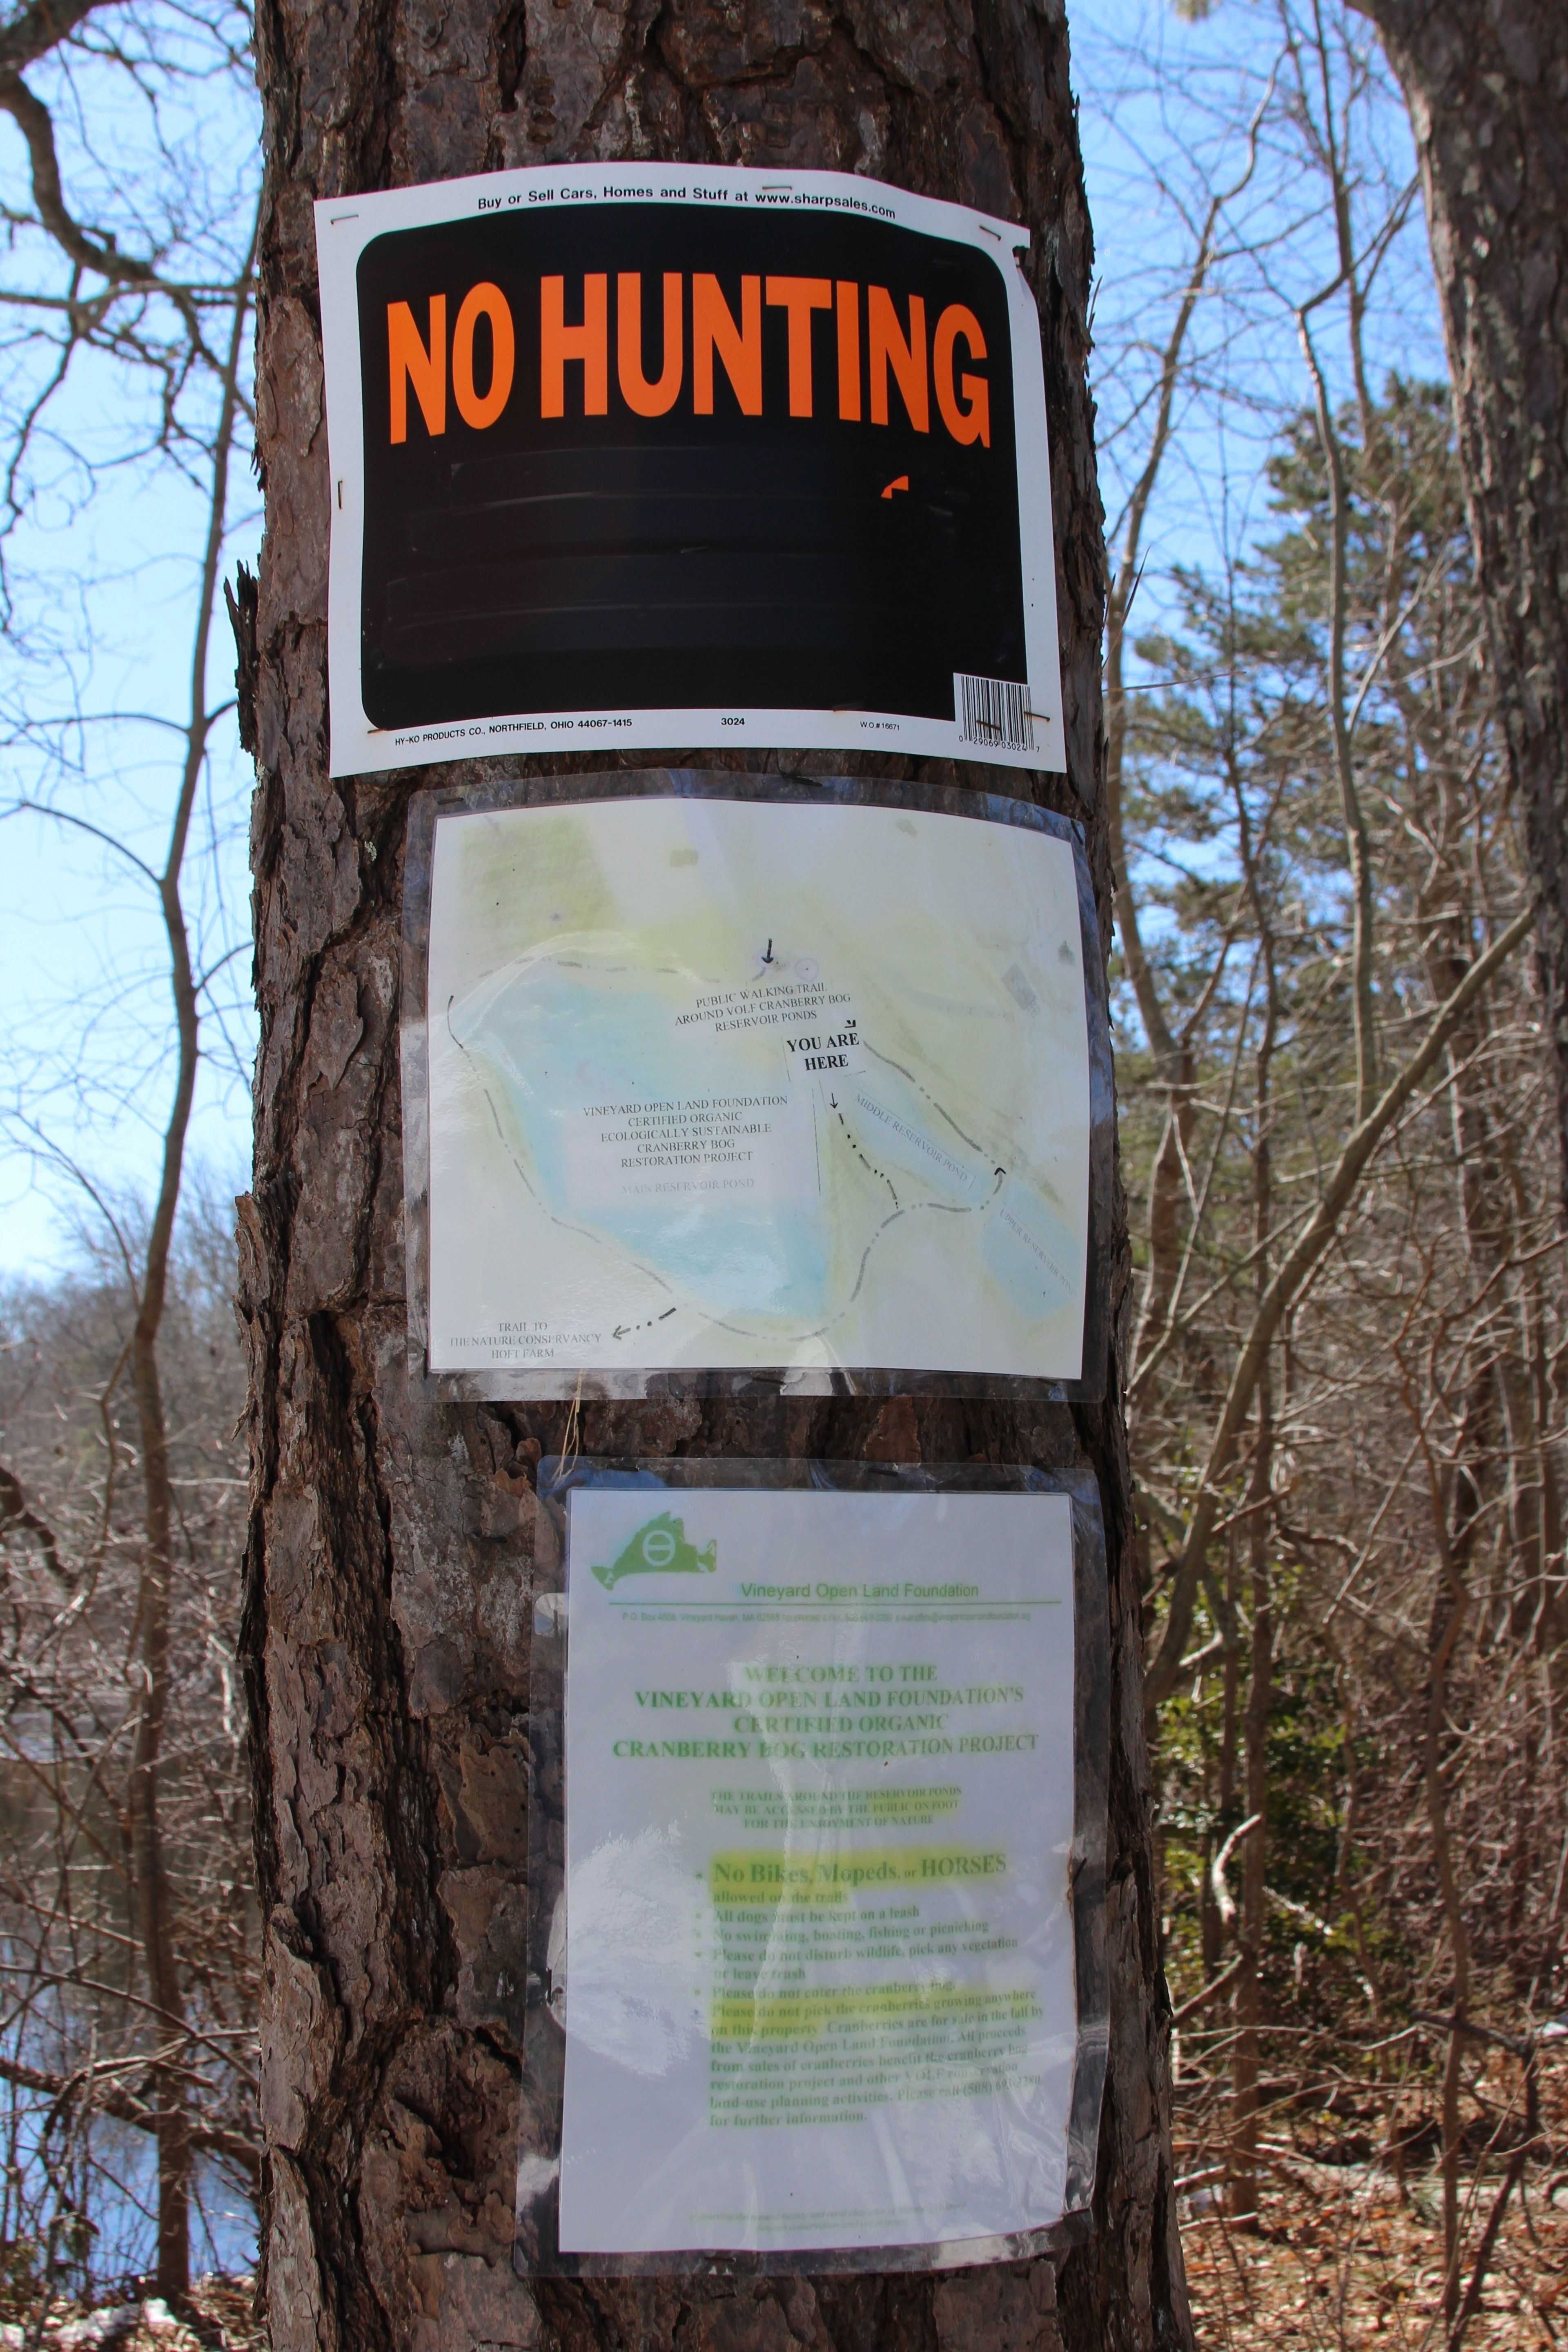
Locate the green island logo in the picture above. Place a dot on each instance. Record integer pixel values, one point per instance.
(661, 1550)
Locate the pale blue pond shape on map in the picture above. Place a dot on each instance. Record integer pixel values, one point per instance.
(899, 1130)
(1030, 1252)
(556, 1044)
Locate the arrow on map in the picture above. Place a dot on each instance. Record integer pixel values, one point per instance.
(625, 1330)
(769, 957)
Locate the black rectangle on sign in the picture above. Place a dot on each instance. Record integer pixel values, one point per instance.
(629, 455)
(800, 528)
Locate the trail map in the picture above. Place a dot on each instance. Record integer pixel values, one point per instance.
(735, 1083)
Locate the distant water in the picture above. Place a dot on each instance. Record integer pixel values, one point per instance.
(116, 2179)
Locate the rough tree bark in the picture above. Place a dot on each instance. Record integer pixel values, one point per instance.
(1486, 85)
(387, 1617)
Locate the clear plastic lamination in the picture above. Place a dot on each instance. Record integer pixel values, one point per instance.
(731, 1084)
(816, 1867)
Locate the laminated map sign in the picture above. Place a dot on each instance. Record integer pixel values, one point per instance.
(710, 1084)
(654, 455)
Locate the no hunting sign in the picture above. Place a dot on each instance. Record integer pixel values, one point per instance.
(657, 456)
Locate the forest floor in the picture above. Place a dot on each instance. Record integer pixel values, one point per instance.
(1343, 2257)
(221, 2320)
(1336, 2264)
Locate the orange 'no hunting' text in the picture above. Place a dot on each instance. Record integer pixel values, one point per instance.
(895, 347)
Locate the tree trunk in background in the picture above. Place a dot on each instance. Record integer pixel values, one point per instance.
(1486, 85)
(387, 1613)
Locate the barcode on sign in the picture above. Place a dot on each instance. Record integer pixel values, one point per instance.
(994, 711)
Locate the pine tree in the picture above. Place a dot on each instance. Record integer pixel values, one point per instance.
(385, 1641)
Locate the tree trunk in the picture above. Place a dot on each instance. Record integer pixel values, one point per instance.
(387, 1624)
(157, 1909)
(157, 1922)
(1487, 84)
(1247, 2058)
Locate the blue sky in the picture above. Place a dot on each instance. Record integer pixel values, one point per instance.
(100, 572)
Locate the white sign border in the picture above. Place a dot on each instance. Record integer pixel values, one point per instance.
(346, 226)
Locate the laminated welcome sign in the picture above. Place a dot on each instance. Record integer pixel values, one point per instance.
(646, 454)
(817, 1973)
